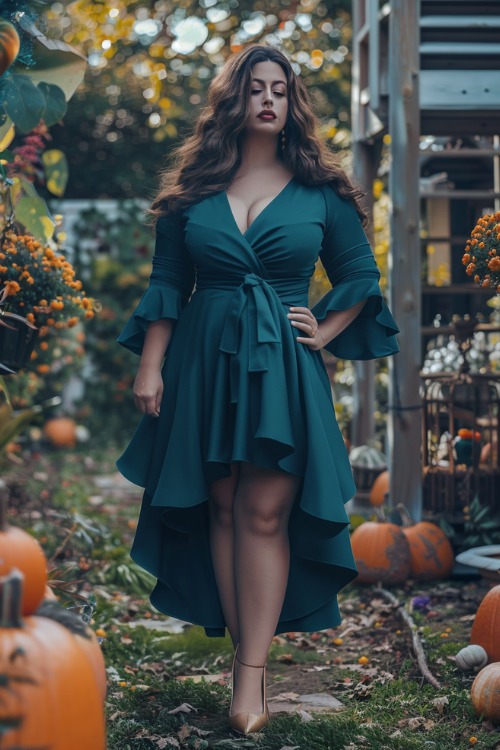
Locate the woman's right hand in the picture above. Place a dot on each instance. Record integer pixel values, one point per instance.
(148, 390)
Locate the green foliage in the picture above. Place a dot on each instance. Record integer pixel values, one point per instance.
(481, 527)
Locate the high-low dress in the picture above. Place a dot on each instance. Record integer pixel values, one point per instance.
(239, 387)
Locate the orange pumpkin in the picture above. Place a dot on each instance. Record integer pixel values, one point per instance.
(381, 552)
(9, 44)
(431, 554)
(50, 696)
(486, 625)
(485, 692)
(379, 489)
(84, 636)
(21, 550)
(60, 432)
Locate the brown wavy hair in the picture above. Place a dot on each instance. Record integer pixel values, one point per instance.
(207, 161)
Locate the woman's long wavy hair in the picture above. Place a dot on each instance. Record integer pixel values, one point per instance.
(208, 160)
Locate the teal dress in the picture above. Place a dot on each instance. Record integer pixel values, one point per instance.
(239, 387)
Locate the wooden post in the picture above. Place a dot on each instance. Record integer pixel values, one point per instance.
(363, 421)
(364, 167)
(404, 432)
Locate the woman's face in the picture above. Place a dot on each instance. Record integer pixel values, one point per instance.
(268, 92)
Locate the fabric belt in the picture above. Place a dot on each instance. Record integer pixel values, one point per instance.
(262, 301)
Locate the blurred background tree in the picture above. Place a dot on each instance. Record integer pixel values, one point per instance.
(149, 65)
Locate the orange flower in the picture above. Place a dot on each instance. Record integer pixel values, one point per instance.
(470, 269)
(12, 287)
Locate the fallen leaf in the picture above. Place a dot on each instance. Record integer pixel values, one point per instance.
(185, 707)
(304, 715)
(184, 732)
(440, 703)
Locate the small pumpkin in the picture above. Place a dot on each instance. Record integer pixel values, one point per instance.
(21, 550)
(379, 489)
(486, 625)
(485, 692)
(53, 698)
(9, 44)
(431, 553)
(60, 432)
(381, 552)
(471, 657)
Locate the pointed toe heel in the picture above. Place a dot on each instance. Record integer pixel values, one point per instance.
(246, 722)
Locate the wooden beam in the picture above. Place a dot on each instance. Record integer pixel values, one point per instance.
(404, 426)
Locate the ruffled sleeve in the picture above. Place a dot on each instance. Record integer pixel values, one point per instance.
(170, 283)
(354, 275)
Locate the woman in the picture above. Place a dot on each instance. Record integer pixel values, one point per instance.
(244, 467)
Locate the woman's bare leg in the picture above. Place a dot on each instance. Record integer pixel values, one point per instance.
(262, 506)
(221, 534)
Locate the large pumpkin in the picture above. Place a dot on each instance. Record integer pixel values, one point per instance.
(486, 626)
(84, 636)
(431, 554)
(485, 692)
(21, 550)
(381, 552)
(9, 44)
(49, 693)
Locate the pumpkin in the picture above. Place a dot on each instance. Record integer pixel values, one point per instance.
(485, 692)
(60, 432)
(431, 554)
(50, 696)
(9, 44)
(84, 636)
(486, 625)
(471, 657)
(20, 549)
(379, 489)
(381, 552)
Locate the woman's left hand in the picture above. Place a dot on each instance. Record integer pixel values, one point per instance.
(302, 317)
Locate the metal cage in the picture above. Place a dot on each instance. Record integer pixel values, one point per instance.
(461, 437)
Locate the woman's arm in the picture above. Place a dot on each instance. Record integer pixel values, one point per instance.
(321, 333)
(148, 383)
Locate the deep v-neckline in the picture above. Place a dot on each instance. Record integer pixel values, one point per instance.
(273, 200)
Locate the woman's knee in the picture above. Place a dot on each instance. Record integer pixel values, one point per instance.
(264, 501)
(221, 499)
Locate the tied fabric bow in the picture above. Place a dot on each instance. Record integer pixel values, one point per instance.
(3, 296)
(262, 305)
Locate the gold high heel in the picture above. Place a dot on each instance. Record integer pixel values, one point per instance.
(245, 722)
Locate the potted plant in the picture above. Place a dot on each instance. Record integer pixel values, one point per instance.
(38, 291)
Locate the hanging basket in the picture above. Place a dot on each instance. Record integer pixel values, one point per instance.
(17, 340)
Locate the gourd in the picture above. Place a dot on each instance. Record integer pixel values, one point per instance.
(486, 625)
(48, 688)
(60, 432)
(20, 549)
(9, 44)
(381, 552)
(485, 692)
(471, 657)
(379, 489)
(431, 554)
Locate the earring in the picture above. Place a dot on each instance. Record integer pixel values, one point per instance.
(283, 140)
